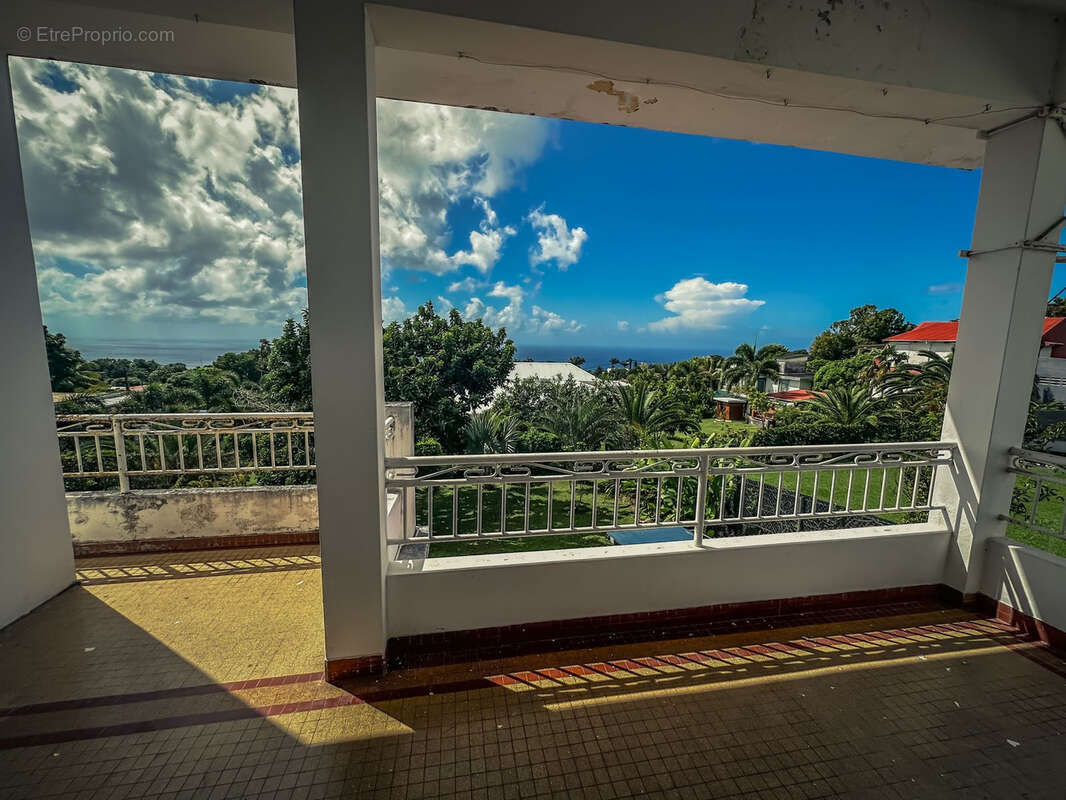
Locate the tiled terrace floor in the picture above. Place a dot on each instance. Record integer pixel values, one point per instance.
(197, 675)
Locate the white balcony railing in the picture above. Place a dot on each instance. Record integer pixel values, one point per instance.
(503, 496)
(124, 445)
(1037, 501)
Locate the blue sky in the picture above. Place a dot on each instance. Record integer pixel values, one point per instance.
(163, 206)
(812, 234)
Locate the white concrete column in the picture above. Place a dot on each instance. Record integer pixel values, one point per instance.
(335, 77)
(1023, 191)
(37, 558)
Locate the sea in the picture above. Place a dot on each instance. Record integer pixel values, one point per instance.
(194, 353)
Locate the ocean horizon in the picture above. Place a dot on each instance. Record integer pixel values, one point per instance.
(195, 353)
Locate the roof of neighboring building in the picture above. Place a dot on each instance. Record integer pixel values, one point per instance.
(793, 395)
(549, 370)
(949, 331)
(793, 354)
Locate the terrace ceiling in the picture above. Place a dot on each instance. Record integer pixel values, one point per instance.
(900, 79)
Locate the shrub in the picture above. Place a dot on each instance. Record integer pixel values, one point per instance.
(537, 441)
(428, 446)
(812, 433)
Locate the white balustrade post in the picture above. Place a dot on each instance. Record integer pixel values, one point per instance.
(1023, 191)
(38, 560)
(120, 454)
(336, 86)
(701, 500)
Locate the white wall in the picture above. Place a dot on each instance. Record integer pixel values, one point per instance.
(922, 59)
(35, 556)
(1028, 580)
(912, 349)
(443, 594)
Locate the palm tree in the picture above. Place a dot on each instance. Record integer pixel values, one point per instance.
(581, 421)
(926, 382)
(747, 365)
(646, 411)
(846, 405)
(489, 432)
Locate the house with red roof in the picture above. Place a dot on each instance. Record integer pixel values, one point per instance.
(939, 337)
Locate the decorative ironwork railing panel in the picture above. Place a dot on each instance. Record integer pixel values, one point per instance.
(125, 445)
(502, 496)
(102, 445)
(1039, 498)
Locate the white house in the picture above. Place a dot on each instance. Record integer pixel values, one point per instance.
(550, 370)
(792, 373)
(939, 337)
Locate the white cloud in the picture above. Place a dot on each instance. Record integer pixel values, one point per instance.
(623, 325)
(149, 199)
(550, 322)
(513, 316)
(953, 287)
(485, 243)
(698, 304)
(555, 240)
(467, 285)
(393, 310)
(431, 157)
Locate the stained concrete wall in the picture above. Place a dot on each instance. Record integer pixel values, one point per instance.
(102, 518)
(97, 517)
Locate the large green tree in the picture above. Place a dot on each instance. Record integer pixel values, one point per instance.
(447, 367)
(865, 324)
(288, 365)
(68, 370)
(250, 365)
(867, 366)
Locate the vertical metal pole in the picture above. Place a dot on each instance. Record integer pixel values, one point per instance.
(120, 454)
(701, 501)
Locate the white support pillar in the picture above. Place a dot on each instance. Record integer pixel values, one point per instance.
(335, 76)
(1023, 192)
(38, 559)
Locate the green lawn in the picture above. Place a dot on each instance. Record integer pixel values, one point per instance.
(524, 545)
(710, 425)
(491, 502)
(1048, 515)
(878, 477)
(538, 510)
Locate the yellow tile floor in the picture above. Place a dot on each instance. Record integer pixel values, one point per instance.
(145, 681)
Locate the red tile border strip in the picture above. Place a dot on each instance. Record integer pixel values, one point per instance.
(621, 669)
(338, 668)
(183, 721)
(187, 543)
(452, 647)
(1050, 635)
(157, 694)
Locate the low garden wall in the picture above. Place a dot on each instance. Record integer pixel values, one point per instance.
(181, 519)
